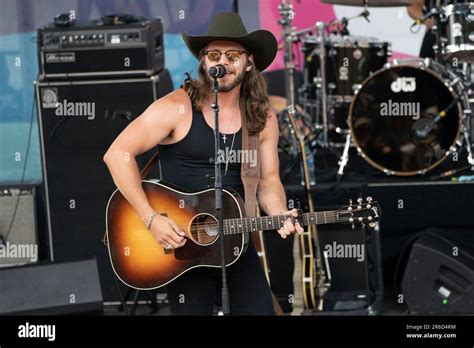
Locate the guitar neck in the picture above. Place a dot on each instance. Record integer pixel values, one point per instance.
(264, 223)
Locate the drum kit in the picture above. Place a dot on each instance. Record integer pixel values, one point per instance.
(405, 117)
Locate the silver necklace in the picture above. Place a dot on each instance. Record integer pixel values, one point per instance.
(224, 135)
(228, 157)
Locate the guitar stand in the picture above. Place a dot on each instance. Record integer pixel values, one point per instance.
(150, 296)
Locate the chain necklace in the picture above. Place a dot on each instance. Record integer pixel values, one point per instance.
(224, 137)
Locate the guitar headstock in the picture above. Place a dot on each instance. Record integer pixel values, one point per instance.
(364, 212)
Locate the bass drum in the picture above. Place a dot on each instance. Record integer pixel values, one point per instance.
(391, 116)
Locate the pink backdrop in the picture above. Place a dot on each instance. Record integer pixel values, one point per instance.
(307, 13)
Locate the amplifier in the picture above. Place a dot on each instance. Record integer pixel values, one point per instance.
(18, 225)
(78, 120)
(93, 49)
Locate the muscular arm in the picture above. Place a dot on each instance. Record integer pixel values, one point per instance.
(271, 195)
(152, 127)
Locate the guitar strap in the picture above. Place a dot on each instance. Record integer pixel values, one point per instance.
(250, 172)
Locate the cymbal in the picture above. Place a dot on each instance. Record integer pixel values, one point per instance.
(370, 3)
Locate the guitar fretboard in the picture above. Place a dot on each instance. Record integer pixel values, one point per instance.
(264, 223)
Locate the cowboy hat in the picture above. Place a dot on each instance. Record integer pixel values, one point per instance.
(228, 26)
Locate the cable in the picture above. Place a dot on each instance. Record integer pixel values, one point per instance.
(24, 167)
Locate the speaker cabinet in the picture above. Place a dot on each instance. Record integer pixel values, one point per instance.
(353, 256)
(439, 278)
(53, 289)
(79, 120)
(18, 226)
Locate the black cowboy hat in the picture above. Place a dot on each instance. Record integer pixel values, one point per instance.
(228, 26)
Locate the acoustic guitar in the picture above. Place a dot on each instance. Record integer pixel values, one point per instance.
(142, 263)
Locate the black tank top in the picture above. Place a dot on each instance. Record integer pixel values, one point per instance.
(189, 163)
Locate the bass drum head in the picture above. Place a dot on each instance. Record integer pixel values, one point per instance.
(390, 109)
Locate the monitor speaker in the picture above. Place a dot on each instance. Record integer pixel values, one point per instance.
(51, 289)
(439, 277)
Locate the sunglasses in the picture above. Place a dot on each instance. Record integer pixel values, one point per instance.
(233, 56)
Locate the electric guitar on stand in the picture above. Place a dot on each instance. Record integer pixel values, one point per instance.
(142, 263)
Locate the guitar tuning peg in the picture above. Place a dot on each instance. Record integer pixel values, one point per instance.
(350, 201)
(369, 199)
(359, 200)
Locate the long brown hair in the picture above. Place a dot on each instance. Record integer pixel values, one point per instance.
(254, 103)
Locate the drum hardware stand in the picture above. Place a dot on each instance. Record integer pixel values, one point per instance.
(466, 129)
(438, 46)
(285, 9)
(344, 158)
(321, 26)
(289, 38)
(470, 158)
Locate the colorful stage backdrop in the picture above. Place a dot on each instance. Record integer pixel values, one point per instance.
(19, 20)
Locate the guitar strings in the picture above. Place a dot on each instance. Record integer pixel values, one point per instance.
(331, 216)
(247, 222)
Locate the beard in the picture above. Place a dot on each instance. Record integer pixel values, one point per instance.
(229, 86)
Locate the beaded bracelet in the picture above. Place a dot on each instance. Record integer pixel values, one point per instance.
(151, 220)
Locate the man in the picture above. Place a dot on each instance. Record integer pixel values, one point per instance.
(416, 11)
(181, 124)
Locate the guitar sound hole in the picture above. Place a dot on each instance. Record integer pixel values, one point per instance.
(204, 229)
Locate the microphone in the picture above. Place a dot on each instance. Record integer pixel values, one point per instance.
(422, 127)
(427, 15)
(366, 15)
(217, 71)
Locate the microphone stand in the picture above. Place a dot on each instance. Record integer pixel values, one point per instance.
(218, 198)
